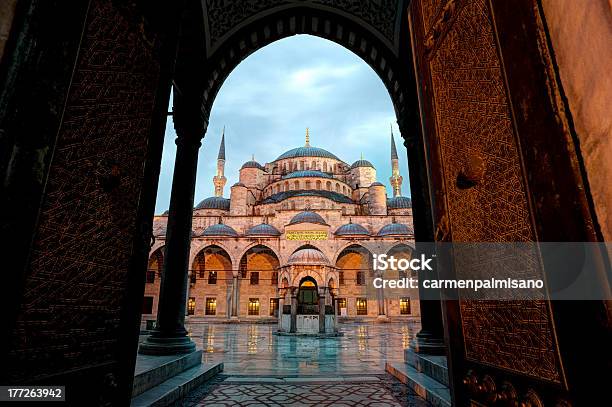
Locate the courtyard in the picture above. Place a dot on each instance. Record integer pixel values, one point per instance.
(254, 350)
(261, 368)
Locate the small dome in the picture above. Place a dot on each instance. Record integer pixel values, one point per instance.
(362, 163)
(351, 229)
(307, 152)
(307, 173)
(252, 164)
(263, 229)
(220, 230)
(376, 184)
(399, 202)
(308, 256)
(238, 184)
(214, 202)
(395, 229)
(307, 217)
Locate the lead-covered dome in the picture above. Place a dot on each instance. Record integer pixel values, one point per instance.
(307, 217)
(307, 173)
(307, 151)
(308, 256)
(362, 163)
(252, 164)
(220, 230)
(214, 202)
(351, 229)
(399, 202)
(263, 229)
(395, 229)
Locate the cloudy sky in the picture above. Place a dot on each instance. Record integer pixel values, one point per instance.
(272, 96)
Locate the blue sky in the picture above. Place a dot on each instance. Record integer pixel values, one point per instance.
(267, 102)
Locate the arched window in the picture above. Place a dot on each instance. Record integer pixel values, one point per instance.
(302, 165)
(286, 185)
(313, 166)
(324, 166)
(307, 185)
(318, 185)
(337, 187)
(328, 185)
(296, 185)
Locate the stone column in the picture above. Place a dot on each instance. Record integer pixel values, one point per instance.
(281, 304)
(169, 336)
(322, 302)
(430, 338)
(293, 328)
(235, 296)
(380, 299)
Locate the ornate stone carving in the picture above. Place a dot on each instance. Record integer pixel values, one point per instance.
(224, 16)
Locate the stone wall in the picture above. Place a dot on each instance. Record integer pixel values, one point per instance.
(581, 34)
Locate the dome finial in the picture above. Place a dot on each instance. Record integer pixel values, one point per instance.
(362, 156)
(252, 157)
(307, 138)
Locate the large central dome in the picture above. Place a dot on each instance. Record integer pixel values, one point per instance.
(307, 151)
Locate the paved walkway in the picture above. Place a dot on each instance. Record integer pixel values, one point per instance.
(262, 369)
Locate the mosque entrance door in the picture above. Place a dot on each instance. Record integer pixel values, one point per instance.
(308, 297)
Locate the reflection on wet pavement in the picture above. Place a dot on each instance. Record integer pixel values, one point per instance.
(252, 349)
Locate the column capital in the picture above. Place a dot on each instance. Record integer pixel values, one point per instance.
(190, 122)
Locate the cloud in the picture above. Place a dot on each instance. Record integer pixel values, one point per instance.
(271, 97)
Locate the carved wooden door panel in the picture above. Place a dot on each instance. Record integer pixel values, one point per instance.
(497, 349)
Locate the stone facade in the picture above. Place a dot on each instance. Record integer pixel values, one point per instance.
(305, 215)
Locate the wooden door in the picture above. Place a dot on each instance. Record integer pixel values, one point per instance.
(505, 168)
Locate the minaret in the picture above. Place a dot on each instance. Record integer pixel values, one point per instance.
(396, 178)
(219, 180)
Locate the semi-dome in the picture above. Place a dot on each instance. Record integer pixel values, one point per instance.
(308, 256)
(214, 202)
(263, 229)
(351, 229)
(307, 151)
(307, 173)
(307, 217)
(362, 163)
(393, 229)
(252, 164)
(220, 230)
(399, 202)
(377, 184)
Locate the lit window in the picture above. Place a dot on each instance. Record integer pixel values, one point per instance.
(212, 277)
(253, 306)
(274, 307)
(191, 306)
(254, 277)
(362, 306)
(211, 306)
(405, 306)
(341, 302)
(147, 305)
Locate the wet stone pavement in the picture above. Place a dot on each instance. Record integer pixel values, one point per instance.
(263, 369)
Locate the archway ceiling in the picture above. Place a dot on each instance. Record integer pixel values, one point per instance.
(222, 18)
